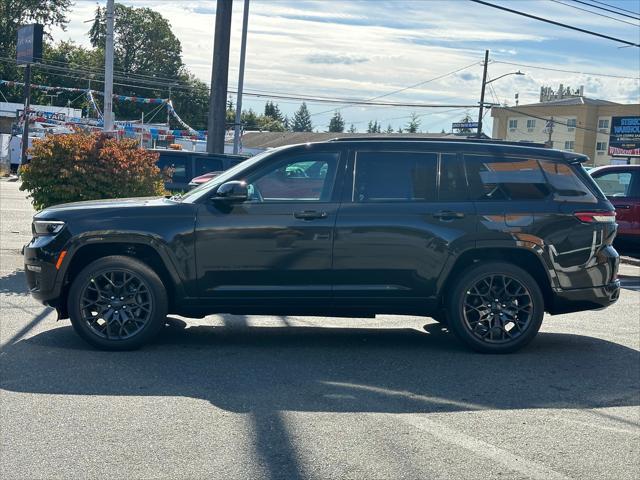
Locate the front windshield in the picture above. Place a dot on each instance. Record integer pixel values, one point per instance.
(192, 195)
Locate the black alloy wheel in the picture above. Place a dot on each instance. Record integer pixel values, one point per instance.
(495, 307)
(117, 303)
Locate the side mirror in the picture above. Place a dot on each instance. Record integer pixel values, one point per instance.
(234, 191)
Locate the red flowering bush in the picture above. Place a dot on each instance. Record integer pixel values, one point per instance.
(82, 166)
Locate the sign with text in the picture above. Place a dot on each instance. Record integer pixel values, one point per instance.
(464, 125)
(624, 137)
(29, 46)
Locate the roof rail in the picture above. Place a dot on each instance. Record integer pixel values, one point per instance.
(436, 139)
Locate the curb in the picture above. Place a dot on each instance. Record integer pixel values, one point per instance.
(630, 261)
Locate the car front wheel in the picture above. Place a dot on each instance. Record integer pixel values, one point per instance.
(495, 308)
(117, 303)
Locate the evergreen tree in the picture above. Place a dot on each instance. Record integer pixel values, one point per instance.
(302, 120)
(389, 129)
(374, 127)
(336, 124)
(353, 129)
(272, 110)
(414, 124)
(400, 130)
(286, 123)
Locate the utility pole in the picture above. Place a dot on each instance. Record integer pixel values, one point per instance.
(219, 77)
(108, 70)
(550, 132)
(169, 109)
(243, 51)
(27, 105)
(484, 85)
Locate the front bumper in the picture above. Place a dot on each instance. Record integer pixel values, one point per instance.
(44, 278)
(579, 299)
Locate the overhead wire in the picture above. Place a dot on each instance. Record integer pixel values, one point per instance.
(553, 22)
(595, 13)
(636, 17)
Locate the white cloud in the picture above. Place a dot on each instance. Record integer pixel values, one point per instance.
(360, 49)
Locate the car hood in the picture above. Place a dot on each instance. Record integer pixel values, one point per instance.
(113, 204)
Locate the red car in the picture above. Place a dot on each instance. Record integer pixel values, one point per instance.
(621, 185)
(197, 181)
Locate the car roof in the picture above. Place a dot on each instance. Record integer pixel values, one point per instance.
(462, 145)
(609, 168)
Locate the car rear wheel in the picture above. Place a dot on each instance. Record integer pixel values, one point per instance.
(495, 308)
(117, 303)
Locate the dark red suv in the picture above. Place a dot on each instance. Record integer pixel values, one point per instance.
(621, 185)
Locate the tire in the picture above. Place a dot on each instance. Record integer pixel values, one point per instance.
(488, 326)
(117, 303)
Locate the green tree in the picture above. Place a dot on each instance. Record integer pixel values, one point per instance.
(374, 127)
(302, 120)
(389, 129)
(273, 111)
(250, 120)
(353, 129)
(336, 124)
(414, 124)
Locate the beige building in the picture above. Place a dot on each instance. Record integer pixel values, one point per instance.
(579, 124)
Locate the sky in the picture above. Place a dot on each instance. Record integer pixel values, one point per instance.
(357, 49)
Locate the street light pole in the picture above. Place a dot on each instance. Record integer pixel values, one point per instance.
(484, 85)
(243, 51)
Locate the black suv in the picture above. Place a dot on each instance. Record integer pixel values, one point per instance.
(482, 236)
(186, 165)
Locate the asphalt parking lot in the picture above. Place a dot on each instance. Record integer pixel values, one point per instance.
(238, 397)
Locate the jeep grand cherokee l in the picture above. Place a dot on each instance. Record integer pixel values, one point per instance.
(482, 236)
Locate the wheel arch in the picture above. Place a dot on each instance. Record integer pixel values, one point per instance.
(145, 250)
(524, 258)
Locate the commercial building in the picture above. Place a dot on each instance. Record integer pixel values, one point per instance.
(567, 121)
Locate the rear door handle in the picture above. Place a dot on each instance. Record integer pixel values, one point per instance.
(623, 207)
(310, 215)
(448, 215)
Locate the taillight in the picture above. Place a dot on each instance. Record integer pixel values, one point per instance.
(596, 217)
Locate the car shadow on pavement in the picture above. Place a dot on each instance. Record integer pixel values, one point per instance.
(266, 371)
(330, 369)
(14, 283)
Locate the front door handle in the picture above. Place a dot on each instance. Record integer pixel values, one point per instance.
(310, 215)
(623, 207)
(448, 215)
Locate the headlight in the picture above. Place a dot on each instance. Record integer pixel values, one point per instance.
(46, 227)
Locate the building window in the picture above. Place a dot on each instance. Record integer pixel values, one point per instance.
(603, 124)
(531, 124)
(601, 146)
(571, 123)
(569, 145)
(513, 124)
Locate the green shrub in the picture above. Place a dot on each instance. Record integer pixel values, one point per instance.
(82, 166)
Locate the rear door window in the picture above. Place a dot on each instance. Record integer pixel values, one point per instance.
(206, 165)
(395, 177)
(174, 166)
(615, 184)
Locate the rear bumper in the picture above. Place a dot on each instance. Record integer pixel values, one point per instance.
(579, 299)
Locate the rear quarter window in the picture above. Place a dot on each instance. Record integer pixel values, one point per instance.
(524, 178)
(505, 178)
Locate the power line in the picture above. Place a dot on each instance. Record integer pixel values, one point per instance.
(553, 22)
(566, 71)
(595, 13)
(636, 17)
(412, 86)
(555, 122)
(351, 101)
